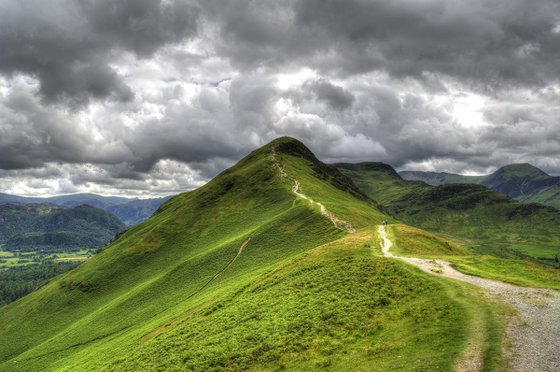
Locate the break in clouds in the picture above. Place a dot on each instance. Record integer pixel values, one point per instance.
(145, 97)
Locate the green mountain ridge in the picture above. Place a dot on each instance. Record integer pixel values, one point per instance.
(198, 232)
(439, 178)
(275, 264)
(253, 270)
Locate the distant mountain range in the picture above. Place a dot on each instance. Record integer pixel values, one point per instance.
(523, 182)
(130, 211)
(48, 227)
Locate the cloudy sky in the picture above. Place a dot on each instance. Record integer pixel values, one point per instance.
(148, 97)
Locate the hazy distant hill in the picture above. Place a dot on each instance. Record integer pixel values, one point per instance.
(130, 211)
(524, 182)
(439, 178)
(30, 227)
(527, 183)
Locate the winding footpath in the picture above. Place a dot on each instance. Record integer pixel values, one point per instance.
(534, 333)
(338, 223)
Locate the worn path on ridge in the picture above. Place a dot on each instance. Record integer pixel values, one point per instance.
(534, 333)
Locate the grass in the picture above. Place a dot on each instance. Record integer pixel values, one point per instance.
(303, 295)
(520, 272)
(334, 306)
(487, 318)
(410, 241)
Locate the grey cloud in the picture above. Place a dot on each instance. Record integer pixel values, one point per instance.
(490, 43)
(334, 95)
(69, 46)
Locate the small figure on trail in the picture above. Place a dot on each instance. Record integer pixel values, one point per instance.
(384, 223)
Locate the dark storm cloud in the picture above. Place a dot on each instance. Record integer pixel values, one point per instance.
(334, 95)
(492, 43)
(69, 45)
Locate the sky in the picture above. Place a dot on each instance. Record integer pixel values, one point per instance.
(147, 98)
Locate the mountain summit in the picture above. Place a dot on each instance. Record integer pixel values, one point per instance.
(201, 246)
(275, 264)
(520, 180)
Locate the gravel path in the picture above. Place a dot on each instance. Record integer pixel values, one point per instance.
(535, 333)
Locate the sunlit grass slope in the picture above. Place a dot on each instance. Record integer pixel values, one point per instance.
(410, 241)
(330, 308)
(242, 274)
(174, 260)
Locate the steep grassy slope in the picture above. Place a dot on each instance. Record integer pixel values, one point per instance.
(45, 226)
(488, 222)
(250, 270)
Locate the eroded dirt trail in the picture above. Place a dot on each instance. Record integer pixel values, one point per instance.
(338, 223)
(534, 333)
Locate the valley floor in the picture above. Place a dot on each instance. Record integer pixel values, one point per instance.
(533, 332)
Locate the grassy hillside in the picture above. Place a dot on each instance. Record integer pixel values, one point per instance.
(244, 273)
(412, 242)
(379, 181)
(49, 227)
(486, 222)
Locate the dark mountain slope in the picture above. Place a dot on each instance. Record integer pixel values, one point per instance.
(490, 222)
(137, 210)
(523, 182)
(32, 227)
